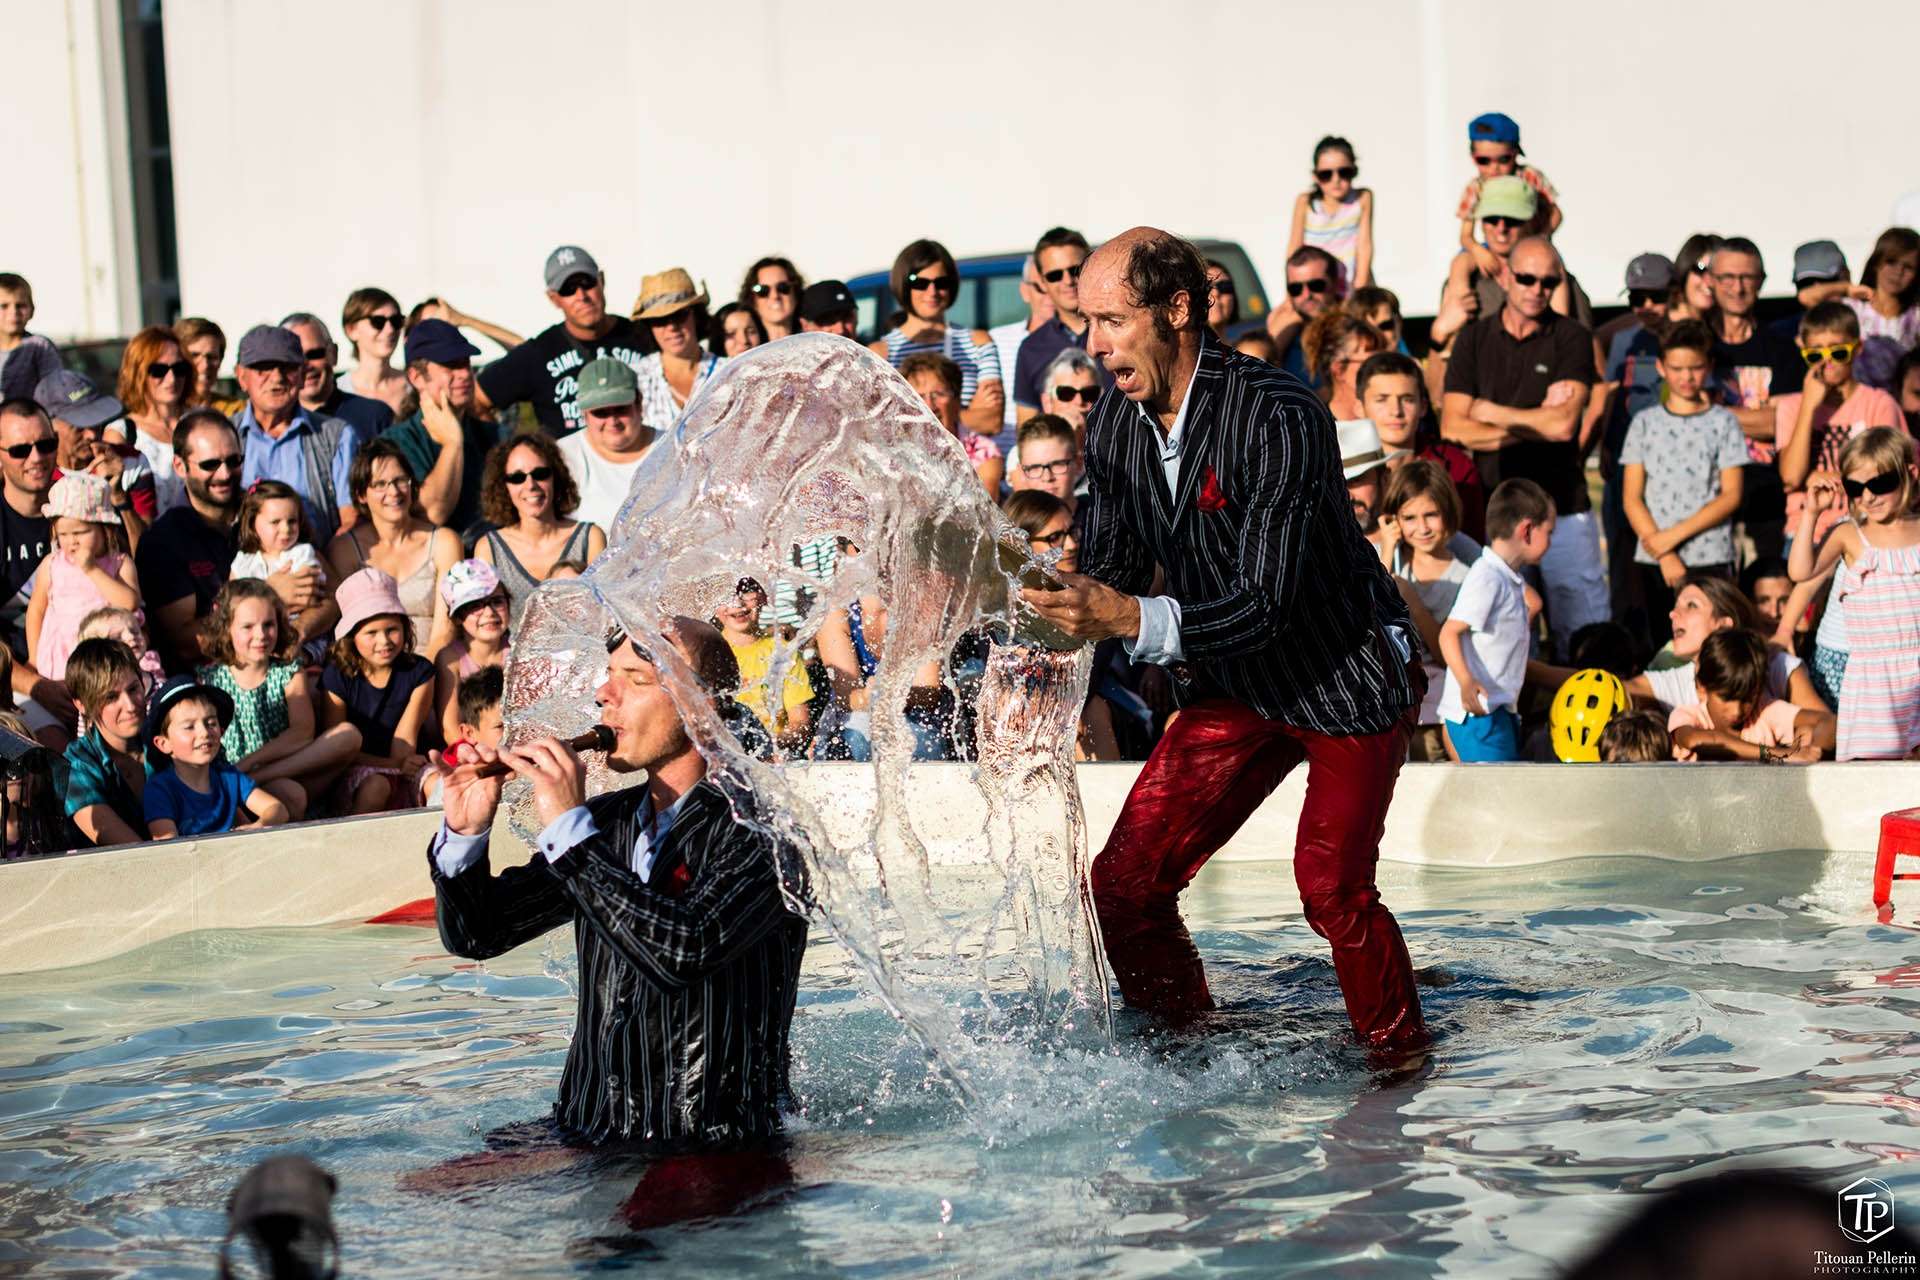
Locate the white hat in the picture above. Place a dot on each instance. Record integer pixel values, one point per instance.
(1360, 450)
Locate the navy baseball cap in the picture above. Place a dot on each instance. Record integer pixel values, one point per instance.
(440, 342)
(73, 399)
(824, 300)
(1493, 127)
(269, 344)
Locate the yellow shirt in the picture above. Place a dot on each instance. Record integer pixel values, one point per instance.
(755, 659)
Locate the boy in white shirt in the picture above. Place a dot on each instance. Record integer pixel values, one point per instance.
(1485, 638)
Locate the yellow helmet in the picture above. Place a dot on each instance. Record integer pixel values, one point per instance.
(1581, 709)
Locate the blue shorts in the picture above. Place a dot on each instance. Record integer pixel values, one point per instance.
(1489, 739)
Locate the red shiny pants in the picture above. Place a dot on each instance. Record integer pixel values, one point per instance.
(1214, 765)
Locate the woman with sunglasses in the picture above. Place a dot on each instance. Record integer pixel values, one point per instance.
(528, 494)
(391, 535)
(771, 290)
(926, 281)
(1223, 300)
(1335, 215)
(1692, 295)
(156, 385)
(372, 321)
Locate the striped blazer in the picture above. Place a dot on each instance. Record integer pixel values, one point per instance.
(1282, 599)
(687, 980)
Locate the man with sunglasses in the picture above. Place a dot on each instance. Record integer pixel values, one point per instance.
(320, 391)
(1313, 285)
(445, 442)
(27, 449)
(286, 441)
(543, 371)
(185, 557)
(1059, 256)
(1752, 368)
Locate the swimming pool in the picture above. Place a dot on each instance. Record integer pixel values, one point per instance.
(1605, 1025)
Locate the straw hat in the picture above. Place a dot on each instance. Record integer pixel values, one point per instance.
(670, 291)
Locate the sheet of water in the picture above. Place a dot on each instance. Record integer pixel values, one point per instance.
(1605, 1027)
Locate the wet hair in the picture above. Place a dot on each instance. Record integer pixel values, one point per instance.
(933, 362)
(716, 334)
(1687, 335)
(1606, 645)
(10, 282)
(745, 297)
(479, 691)
(1386, 364)
(1513, 501)
(343, 655)
(1032, 510)
(1883, 449)
(259, 494)
(1233, 312)
(1424, 478)
(96, 668)
(1732, 664)
(1332, 142)
(1161, 268)
(1044, 426)
(1636, 737)
(360, 304)
(1894, 240)
(143, 349)
(917, 257)
(1833, 317)
(360, 474)
(216, 633)
(195, 420)
(1724, 599)
(496, 504)
(1331, 330)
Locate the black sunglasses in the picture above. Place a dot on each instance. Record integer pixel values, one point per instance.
(783, 289)
(1883, 484)
(1297, 287)
(382, 320)
(574, 284)
(1527, 281)
(232, 462)
(1223, 286)
(43, 446)
(918, 283)
(1067, 395)
(521, 477)
(1059, 273)
(1641, 297)
(314, 353)
(1502, 221)
(1347, 171)
(1484, 161)
(180, 369)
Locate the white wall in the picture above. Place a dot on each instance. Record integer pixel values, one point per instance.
(444, 146)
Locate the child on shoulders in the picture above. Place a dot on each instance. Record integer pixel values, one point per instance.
(193, 791)
(1493, 144)
(1335, 215)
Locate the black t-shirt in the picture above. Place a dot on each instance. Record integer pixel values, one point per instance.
(1764, 367)
(26, 540)
(544, 371)
(182, 555)
(1489, 364)
(370, 415)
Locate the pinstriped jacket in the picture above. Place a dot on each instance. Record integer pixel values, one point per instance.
(1282, 599)
(687, 979)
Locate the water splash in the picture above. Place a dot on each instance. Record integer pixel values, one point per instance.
(814, 437)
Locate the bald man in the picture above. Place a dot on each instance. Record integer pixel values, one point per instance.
(1286, 639)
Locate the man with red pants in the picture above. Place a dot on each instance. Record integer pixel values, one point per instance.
(1286, 638)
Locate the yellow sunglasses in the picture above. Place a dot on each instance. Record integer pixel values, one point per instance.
(1840, 353)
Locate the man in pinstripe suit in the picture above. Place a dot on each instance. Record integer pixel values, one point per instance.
(1286, 638)
(689, 955)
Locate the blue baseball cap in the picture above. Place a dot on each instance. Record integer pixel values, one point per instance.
(440, 342)
(1493, 127)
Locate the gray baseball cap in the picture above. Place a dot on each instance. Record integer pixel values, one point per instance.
(606, 382)
(1818, 260)
(569, 260)
(269, 344)
(1650, 271)
(73, 399)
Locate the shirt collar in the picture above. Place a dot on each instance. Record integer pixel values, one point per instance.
(248, 424)
(1170, 447)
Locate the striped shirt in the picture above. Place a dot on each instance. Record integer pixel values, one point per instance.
(660, 408)
(1335, 229)
(1880, 698)
(689, 965)
(977, 364)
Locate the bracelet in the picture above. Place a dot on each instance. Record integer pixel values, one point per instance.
(1766, 754)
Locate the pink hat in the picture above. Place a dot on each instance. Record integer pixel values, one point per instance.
(79, 495)
(370, 593)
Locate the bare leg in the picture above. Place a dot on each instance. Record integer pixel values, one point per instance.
(330, 751)
(289, 793)
(372, 795)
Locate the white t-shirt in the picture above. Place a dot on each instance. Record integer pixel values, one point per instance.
(1006, 340)
(1674, 686)
(1493, 604)
(255, 564)
(603, 485)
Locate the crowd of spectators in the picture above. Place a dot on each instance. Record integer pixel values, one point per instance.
(236, 605)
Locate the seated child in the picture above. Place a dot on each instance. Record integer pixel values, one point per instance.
(789, 717)
(478, 720)
(130, 629)
(106, 766)
(1485, 638)
(82, 573)
(1636, 737)
(193, 791)
(376, 682)
(1735, 717)
(480, 609)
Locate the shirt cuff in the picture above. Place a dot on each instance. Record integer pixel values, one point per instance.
(573, 827)
(1159, 638)
(454, 853)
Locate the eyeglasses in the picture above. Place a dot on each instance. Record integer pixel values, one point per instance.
(1347, 171)
(1046, 470)
(1484, 161)
(1049, 539)
(1641, 297)
(1297, 287)
(381, 321)
(1502, 221)
(315, 354)
(1067, 395)
(784, 289)
(574, 284)
(1883, 484)
(1546, 284)
(498, 600)
(1058, 274)
(919, 283)
(392, 484)
(160, 369)
(541, 474)
(44, 446)
(1839, 353)
(232, 462)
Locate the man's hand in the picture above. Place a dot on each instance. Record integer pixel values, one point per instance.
(559, 779)
(1156, 689)
(1281, 319)
(1659, 543)
(107, 464)
(1673, 570)
(299, 588)
(469, 802)
(1086, 608)
(436, 414)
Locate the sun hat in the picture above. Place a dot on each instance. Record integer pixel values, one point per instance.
(567, 261)
(77, 495)
(164, 697)
(370, 593)
(468, 582)
(1507, 196)
(72, 398)
(605, 382)
(1360, 449)
(663, 294)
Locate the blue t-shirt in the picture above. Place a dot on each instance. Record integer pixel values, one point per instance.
(196, 813)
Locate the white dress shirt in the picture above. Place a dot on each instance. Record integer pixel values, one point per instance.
(454, 853)
(1159, 637)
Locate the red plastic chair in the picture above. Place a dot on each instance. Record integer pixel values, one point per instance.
(1899, 837)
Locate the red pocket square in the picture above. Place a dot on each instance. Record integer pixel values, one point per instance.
(1211, 499)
